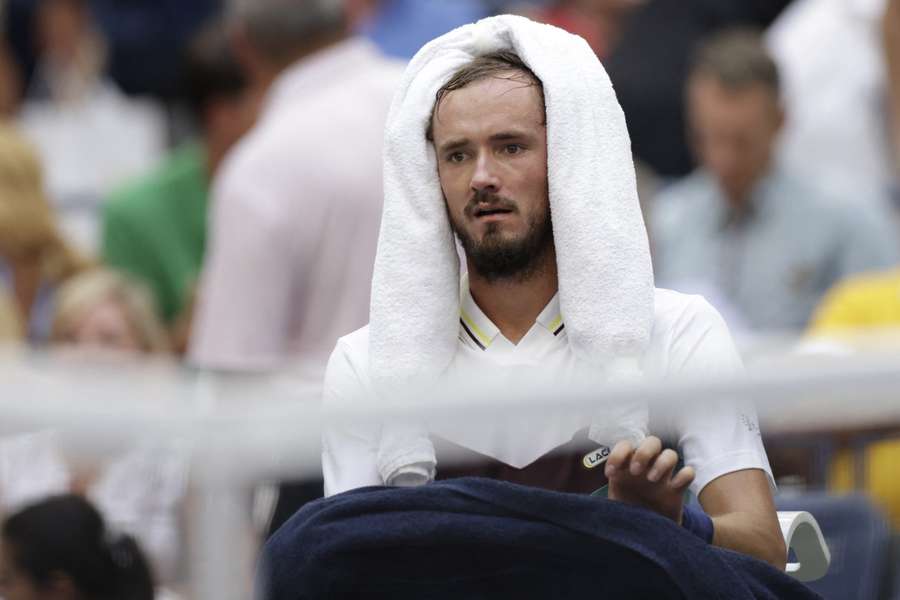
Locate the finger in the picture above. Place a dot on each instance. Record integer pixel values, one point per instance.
(683, 478)
(663, 466)
(618, 458)
(644, 456)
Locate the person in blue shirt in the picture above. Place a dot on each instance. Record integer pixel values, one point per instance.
(763, 244)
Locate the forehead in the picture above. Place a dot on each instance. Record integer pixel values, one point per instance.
(490, 104)
(709, 96)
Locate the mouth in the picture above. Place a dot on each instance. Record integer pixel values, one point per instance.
(491, 212)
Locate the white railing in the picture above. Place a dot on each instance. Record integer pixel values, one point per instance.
(243, 431)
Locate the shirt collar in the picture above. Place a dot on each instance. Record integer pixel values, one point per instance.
(481, 330)
(756, 205)
(318, 69)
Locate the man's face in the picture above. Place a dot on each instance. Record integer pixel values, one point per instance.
(491, 146)
(734, 131)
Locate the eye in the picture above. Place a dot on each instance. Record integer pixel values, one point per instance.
(512, 149)
(456, 157)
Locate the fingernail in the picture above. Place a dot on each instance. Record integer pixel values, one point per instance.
(635, 468)
(653, 476)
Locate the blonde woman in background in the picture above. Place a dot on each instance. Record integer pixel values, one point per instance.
(140, 489)
(34, 257)
(105, 310)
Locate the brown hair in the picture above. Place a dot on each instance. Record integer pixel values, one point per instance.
(496, 64)
(27, 222)
(737, 58)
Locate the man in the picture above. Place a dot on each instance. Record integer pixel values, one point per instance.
(296, 207)
(155, 228)
(489, 135)
(650, 64)
(769, 244)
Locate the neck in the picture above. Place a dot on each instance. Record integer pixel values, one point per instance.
(216, 149)
(514, 304)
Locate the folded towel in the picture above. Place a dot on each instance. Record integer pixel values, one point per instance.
(605, 277)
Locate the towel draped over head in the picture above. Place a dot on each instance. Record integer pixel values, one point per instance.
(605, 275)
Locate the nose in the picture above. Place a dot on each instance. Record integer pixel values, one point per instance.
(484, 178)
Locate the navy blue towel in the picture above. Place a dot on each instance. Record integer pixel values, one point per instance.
(478, 538)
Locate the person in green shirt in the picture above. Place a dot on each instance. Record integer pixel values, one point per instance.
(155, 227)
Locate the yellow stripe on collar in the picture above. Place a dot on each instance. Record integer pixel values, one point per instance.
(485, 339)
(554, 324)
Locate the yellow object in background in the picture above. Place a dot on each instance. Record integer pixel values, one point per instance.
(864, 313)
(865, 304)
(879, 479)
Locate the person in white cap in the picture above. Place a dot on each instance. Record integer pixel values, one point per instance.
(496, 126)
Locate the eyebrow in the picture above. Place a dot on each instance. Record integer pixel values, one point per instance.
(497, 137)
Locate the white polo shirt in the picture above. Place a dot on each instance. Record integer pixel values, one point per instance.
(688, 337)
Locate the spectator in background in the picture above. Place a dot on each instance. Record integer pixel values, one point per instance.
(831, 58)
(102, 310)
(89, 135)
(649, 65)
(296, 207)
(140, 488)
(60, 549)
(34, 258)
(155, 227)
(400, 27)
(743, 225)
(599, 22)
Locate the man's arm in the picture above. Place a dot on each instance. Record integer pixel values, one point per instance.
(349, 450)
(744, 516)
(739, 503)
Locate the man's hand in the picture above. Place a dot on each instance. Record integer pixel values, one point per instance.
(644, 477)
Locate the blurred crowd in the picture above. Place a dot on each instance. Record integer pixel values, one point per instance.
(201, 181)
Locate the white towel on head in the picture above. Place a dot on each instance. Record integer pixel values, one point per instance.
(605, 277)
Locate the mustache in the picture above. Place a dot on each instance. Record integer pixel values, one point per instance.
(485, 200)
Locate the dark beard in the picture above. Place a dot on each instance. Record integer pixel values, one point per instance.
(495, 258)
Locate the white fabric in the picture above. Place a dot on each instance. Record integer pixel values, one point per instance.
(688, 338)
(834, 79)
(605, 277)
(142, 492)
(295, 215)
(30, 469)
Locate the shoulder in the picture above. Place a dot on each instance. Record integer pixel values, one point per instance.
(679, 200)
(686, 189)
(348, 366)
(689, 335)
(676, 312)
